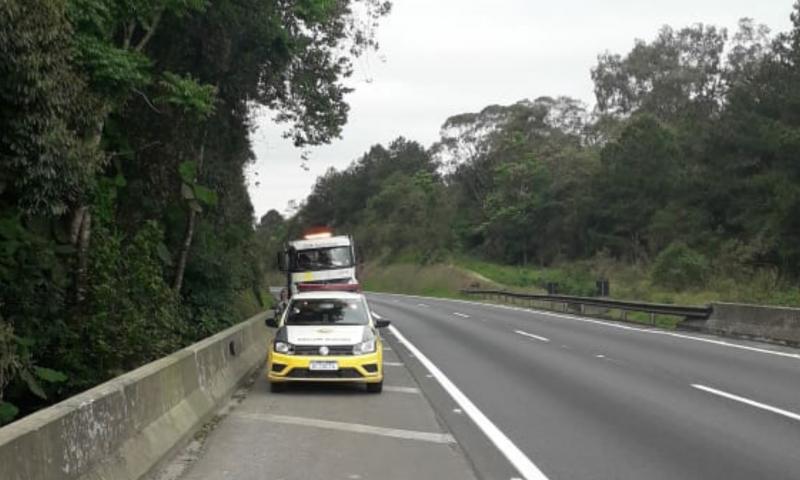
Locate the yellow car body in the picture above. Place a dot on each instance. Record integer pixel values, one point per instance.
(351, 368)
(331, 346)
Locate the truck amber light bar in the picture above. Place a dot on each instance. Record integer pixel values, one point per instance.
(314, 233)
(328, 287)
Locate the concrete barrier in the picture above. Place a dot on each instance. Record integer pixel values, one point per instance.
(123, 428)
(777, 324)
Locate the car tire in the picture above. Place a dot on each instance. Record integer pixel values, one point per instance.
(277, 387)
(375, 387)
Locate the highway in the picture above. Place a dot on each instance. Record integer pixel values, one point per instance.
(567, 397)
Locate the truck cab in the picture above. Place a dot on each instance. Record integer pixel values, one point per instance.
(317, 260)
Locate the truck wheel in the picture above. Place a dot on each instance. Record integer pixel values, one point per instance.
(375, 387)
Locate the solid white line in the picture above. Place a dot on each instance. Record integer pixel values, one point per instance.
(752, 403)
(514, 455)
(350, 427)
(619, 326)
(393, 364)
(392, 388)
(461, 315)
(537, 337)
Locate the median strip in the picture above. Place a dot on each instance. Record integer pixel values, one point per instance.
(431, 437)
(747, 401)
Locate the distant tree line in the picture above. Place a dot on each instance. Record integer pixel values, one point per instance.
(126, 230)
(689, 162)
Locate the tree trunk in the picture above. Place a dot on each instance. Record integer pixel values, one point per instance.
(81, 224)
(82, 244)
(184, 254)
(187, 238)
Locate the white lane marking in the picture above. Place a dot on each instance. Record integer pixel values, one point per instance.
(350, 427)
(393, 364)
(392, 388)
(621, 327)
(600, 356)
(462, 315)
(752, 403)
(537, 337)
(422, 305)
(514, 455)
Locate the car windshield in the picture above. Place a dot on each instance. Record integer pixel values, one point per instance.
(322, 259)
(327, 312)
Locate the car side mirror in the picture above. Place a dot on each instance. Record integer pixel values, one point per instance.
(271, 322)
(382, 323)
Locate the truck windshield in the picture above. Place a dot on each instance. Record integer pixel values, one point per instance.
(322, 259)
(327, 312)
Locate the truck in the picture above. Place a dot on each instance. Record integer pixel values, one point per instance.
(318, 261)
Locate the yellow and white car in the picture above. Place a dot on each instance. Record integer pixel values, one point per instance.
(326, 336)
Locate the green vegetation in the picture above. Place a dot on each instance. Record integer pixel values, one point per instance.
(681, 185)
(437, 280)
(126, 230)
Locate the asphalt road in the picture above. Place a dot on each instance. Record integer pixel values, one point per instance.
(578, 398)
(326, 431)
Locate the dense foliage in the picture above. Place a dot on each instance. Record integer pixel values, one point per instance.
(688, 165)
(126, 229)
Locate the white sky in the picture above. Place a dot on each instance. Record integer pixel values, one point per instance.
(443, 57)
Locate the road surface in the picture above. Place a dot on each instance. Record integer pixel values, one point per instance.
(588, 399)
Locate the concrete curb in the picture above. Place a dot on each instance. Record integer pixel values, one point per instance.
(121, 429)
(758, 322)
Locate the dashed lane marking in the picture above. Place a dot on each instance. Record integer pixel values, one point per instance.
(462, 315)
(530, 335)
(394, 364)
(350, 427)
(394, 388)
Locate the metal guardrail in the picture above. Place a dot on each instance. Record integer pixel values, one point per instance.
(689, 312)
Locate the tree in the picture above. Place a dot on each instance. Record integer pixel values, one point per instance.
(638, 177)
(42, 165)
(677, 72)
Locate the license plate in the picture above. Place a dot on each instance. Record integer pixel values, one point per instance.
(325, 366)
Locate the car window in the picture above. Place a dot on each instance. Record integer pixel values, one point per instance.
(327, 312)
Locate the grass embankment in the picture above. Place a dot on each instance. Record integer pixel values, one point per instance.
(634, 283)
(439, 280)
(626, 282)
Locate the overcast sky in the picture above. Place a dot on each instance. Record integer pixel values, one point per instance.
(443, 57)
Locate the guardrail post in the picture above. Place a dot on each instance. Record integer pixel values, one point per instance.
(652, 318)
(624, 314)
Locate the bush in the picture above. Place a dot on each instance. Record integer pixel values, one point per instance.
(680, 267)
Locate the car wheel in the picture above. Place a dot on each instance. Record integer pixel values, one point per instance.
(375, 387)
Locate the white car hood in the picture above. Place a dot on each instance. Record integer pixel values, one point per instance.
(325, 334)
